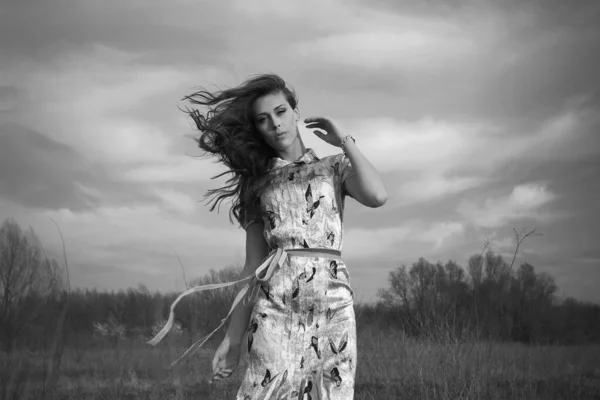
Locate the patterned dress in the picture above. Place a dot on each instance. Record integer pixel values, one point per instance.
(302, 332)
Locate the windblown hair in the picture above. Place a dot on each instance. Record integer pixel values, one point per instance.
(229, 133)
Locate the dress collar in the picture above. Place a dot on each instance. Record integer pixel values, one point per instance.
(306, 158)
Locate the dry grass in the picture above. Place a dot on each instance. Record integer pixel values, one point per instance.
(390, 366)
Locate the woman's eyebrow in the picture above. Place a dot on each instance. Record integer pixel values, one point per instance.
(281, 105)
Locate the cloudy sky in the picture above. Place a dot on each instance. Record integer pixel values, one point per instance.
(482, 116)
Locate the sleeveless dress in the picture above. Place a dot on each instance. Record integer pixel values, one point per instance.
(302, 334)
(301, 338)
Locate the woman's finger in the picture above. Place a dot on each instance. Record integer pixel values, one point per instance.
(313, 125)
(312, 119)
(324, 128)
(221, 374)
(320, 135)
(317, 126)
(226, 370)
(215, 362)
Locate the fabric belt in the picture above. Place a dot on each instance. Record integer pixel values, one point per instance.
(314, 252)
(263, 274)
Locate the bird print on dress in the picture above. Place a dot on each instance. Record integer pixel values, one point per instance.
(266, 291)
(307, 390)
(333, 269)
(334, 376)
(314, 343)
(252, 331)
(295, 289)
(267, 379)
(301, 325)
(331, 238)
(285, 375)
(330, 313)
(311, 312)
(341, 346)
(271, 218)
(310, 205)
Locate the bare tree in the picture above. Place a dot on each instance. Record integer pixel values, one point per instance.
(519, 238)
(23, 274)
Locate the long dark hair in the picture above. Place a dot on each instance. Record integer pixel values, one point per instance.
(229, 133)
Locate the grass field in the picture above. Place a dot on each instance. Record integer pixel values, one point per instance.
(389, 367)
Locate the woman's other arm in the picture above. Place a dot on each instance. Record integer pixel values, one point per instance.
(256, 251)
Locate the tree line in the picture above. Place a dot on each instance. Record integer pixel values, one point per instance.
(488, 300)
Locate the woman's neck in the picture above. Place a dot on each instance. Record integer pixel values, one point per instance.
(294, 152)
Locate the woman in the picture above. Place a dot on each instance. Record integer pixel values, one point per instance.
(297, 311)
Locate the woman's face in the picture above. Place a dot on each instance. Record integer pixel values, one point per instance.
(276, 120)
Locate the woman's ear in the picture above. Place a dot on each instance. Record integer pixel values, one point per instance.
(297, 112)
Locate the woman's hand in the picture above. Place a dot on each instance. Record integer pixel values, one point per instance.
(333, 136)
(226, 360)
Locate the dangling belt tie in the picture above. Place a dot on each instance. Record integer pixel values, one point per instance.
(262, 274)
